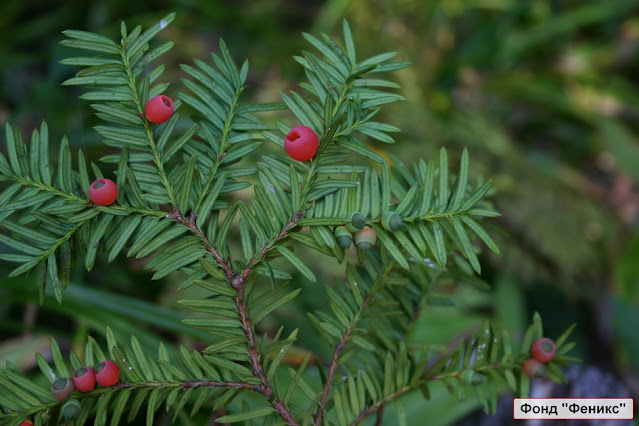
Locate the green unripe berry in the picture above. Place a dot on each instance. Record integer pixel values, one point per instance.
(365, 239)
(392, 221)
(45, 417)
(71, 409)
(343, 236)
(357, 222)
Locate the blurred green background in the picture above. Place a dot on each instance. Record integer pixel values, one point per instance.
(543, 93)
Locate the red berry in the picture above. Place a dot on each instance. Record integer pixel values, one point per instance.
(534, 369)
(103, 192)
(84, 379)
(27, 422)
(61, 388)
(543, 350)
(301, 143)
(159, 109)
(108, 373)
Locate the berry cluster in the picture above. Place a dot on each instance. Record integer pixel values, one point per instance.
(85, 379)
(301, 144)
(542, 351)
(364, 238)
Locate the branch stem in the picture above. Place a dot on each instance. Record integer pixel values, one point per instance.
(379, 405)
(345, 338)
(258, 369)
(157, 158)
(208, 245)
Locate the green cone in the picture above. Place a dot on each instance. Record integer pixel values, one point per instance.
(71, 409)
(392, 221)
(357, 222)
(343, 236)
(365, 239)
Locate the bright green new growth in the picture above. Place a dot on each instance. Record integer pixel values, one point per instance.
(45, 213)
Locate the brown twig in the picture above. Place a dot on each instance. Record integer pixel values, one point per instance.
(333, 367)
(379, 406)
(237, 282)
(342, 345)
(258, 370)
(249, 333)
(380, 416)
(208, 245)
(285, 230)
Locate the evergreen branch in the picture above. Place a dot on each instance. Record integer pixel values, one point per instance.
(458, 373)
(183, 385)
(27, 181)
(498, 367)
(228, 124)
(344, 102)
(258, 369)
(61, 241)
(379, 405)
(271, 243)
(147, 127)
(311, 178)
(145, 385)
(237, 281)
(299, 215)
(224, 145)
(345, 338)
(72, 197)
(432, 216)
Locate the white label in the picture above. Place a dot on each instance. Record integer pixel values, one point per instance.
(573, 408)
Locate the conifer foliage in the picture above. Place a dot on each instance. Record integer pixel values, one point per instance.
(173, 207)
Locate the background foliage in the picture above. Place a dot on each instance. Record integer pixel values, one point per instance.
(541, 93)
